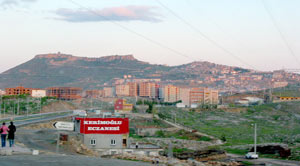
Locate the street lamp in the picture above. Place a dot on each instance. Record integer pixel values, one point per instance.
(252, 155)
(255, 137)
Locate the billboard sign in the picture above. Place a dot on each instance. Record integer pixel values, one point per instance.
(104, 125)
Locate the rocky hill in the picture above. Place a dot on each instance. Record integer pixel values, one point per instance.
(58, 69)
(66, 70)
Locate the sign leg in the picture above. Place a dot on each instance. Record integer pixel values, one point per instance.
(57, 142)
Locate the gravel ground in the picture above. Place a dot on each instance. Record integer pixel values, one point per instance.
(64, 160)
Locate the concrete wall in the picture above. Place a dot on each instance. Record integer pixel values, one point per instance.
(146, 152)
(103, 141)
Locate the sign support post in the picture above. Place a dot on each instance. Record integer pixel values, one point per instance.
(68, 126)
(57, 142)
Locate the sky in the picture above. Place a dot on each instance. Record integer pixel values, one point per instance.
(258, 34)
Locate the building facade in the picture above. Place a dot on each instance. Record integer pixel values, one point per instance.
(199, 96)
(20, 90)
(65, 93)
(94, 93)
(104, 133)
(122, 105)
(38, 93)
(2, 92)
(122, 90)
(109, 92)
(133, 89)
(148, 89)
(171, 93)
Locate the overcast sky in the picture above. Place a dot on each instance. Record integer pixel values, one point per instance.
(264, 35)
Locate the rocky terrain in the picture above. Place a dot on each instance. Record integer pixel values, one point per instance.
(57, 69)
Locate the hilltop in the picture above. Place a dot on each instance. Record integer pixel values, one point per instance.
(57, 69)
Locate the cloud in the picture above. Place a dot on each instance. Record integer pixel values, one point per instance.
(11, 3)
(126, 13)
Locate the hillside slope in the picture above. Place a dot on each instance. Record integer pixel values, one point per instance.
(47, 70)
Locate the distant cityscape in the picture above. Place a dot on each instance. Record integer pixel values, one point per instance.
(153, 88)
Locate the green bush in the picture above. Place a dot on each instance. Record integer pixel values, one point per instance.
(160, 134)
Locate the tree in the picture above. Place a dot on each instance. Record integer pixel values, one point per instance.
(223, 138)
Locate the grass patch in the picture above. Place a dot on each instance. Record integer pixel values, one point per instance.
(246, 163)
(276, 123)
(181, 150)
(236, 151)
(204, 138)
(181, 134)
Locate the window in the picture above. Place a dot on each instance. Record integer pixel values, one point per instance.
(113, 142)
(93, 142)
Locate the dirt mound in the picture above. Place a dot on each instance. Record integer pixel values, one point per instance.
(59, 106)
(202, 155)
(283, 152)
(80, 148)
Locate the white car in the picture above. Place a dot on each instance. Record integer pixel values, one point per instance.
(251, 155)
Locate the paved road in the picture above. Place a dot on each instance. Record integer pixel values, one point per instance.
(267, 161)
(64, 160)
(36, 118)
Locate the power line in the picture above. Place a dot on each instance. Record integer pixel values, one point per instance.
(203, 35)
(279, 31)
(213, 22)
(134, 32)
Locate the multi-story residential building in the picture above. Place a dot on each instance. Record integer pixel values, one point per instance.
(20, 90)
(133, 89)
(109, 92)
(65, 93)
(161, 93)
(148, 89)
(198, 96)
(171, 93)
(122, 90)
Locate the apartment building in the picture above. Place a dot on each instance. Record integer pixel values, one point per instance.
(190, 96)
(133, 89)
(109, 91)
(64, 93)
(148, 89)
(122, 90)
(20, 90)
(171, 93)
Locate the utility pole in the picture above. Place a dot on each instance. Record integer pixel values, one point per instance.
(18, 109)
(4, 109)
(255, 138)
(14, 108)
(271, 97)
(175, 118)
(27, 106)
(40, 105)
(57, 142)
